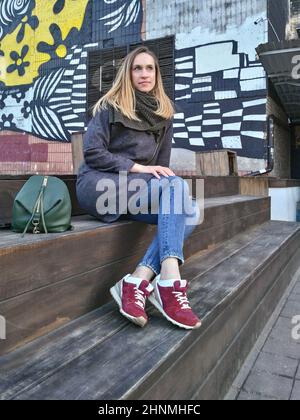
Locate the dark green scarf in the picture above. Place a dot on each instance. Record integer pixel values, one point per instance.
(146, 105)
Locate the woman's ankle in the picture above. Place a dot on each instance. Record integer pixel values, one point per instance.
(143, 272)
(170, 269)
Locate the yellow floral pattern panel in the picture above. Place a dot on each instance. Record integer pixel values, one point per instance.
(22, 60)
(44, 59)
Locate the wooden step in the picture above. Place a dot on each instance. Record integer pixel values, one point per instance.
(214, 186)
(48, 280)
(102, 356)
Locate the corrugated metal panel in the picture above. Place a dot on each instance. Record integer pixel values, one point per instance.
(278, 14)
(295, 18)
(102, 69)
(165, 17)
(277, 59)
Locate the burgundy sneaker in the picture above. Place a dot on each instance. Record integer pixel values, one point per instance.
(171, 300)
(130, 293)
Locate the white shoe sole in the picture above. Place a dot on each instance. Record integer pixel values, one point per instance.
(154, 302)
(115, 292)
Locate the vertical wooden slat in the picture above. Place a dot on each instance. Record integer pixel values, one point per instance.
(77, 150)
(216, 163)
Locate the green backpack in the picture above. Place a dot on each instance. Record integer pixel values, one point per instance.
(42, 205)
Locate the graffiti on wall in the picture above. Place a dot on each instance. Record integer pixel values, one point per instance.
(221, 102)
(220, 89)
(215, 52)
(43, 59)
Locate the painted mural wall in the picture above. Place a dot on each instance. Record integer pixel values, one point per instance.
(43, 59)
(220, 88)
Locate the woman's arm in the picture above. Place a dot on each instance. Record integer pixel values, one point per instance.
(95, 145)
(163, 159)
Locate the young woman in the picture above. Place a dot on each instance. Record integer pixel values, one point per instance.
(131, 134)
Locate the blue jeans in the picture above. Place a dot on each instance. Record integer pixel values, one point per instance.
(172, 228)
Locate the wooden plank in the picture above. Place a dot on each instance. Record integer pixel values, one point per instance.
(213, 296)
(215, 186)
(79, 223)
(254, 186)
(25, 177)
(231, 313)
(8, 191)
(44, 261)
(50, 353)
(76, 338)
(36, 313)
(85, 292)
(10, 187)
(77, 150)
(204, 260)
(26, 267)
(283, 183)
(221, 377)
(216, 163)
(88, 223)
(252, 304)
(207, 239)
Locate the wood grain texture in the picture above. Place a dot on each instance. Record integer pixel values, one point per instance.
(56, 278)
(216, 163)
(229, 289)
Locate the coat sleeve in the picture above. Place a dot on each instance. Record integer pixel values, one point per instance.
(164, 154)
(95, 147)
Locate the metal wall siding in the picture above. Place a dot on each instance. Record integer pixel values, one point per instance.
(278, 13)
(175, 16)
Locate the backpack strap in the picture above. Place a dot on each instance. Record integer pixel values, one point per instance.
(38, 211)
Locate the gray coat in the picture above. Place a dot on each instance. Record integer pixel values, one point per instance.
(111, 148)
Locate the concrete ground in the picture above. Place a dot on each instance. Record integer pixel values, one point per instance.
(272, 369)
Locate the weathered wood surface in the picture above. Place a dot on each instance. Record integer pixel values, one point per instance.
(58, 278)
(216, 163)
(254, 186)
(214, 186)
(77, 150)
(284, 183)
(99, 355)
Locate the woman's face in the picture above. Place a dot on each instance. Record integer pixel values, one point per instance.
(143, 74)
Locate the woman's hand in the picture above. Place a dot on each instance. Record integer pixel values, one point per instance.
(155, 170)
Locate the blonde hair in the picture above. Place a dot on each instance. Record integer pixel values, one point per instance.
(121, 95)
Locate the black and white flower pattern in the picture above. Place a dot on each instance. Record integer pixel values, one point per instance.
(27, 109)
(3, 96)
(19, 96)
(19, 61)
(11, 14)
(124, 15)
(6, 122)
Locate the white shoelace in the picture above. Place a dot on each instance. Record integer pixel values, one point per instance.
(182, 300)
(139, 297)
